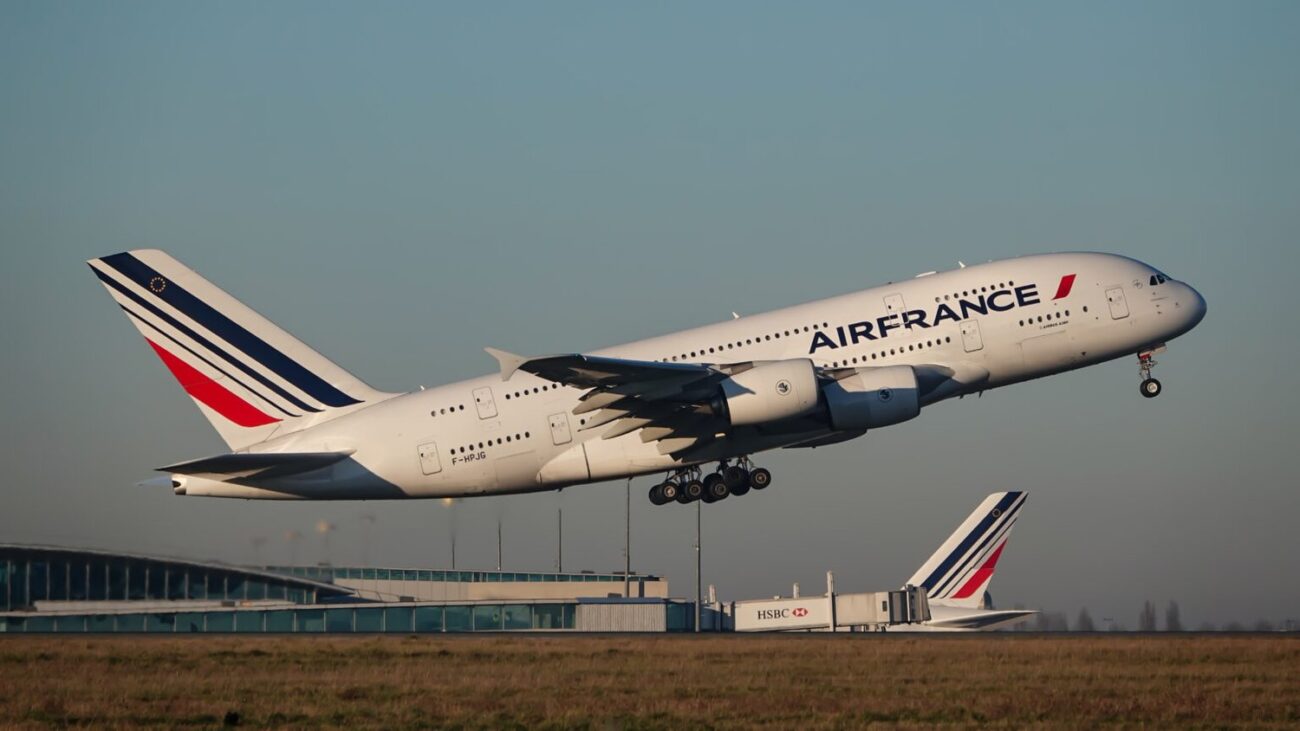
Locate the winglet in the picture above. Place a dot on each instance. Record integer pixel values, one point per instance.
(509, 362)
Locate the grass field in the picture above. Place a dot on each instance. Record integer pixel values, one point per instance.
(804, 681)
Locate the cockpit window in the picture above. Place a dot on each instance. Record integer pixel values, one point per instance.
(1158, 279)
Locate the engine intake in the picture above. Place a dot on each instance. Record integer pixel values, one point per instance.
(770, 391)
(872, 398)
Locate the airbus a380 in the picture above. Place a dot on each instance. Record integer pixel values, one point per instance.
(829, 371)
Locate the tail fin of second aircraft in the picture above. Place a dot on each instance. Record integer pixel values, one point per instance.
(959, 572)
(251, 379)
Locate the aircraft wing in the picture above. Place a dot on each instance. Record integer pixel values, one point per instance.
(668, 402)
(593, 371)
(260, 464)
(673, 403)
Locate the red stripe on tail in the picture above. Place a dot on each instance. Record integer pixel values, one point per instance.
(210, 393)
(1063, 289)
(982, 575)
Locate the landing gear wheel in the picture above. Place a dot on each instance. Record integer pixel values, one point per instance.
(712, 481)
(716, 488)
(670, 491)
(657, 495)
(1151, 388)
(693, 491)
(735, 476)
(739, 490)
(759, 478)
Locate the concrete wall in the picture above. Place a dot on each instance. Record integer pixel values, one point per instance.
(622, 618)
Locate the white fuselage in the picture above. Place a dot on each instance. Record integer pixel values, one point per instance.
(990, 325)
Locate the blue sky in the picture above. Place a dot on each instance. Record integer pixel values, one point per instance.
(402, 184)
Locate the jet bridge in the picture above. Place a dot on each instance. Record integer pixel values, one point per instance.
(832, 612)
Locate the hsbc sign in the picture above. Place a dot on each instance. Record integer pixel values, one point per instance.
(802, 613)
(782, 613)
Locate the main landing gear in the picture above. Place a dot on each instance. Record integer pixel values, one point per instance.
(687, 486)
(1150, 387)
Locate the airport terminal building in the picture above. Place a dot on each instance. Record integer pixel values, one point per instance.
(55, 589)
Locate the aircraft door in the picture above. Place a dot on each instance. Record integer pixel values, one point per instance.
(487, 408)
(429, 462)
(560, 433)
(971, 339)
(1118, 305)
(894, 304)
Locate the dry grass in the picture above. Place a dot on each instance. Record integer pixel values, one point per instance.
(650, 682)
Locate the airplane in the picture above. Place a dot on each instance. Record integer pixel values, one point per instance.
(957, 576)
(301, 427)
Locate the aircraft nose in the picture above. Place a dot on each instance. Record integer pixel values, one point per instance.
(1195, 305)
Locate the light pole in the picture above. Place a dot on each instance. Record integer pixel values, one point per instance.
(450, 504)
(367, 521)
(292, 537)
(698, 595)
(325, 528)
(559, 540)
(627, 544)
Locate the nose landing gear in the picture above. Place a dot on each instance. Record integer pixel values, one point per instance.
(1150, 387)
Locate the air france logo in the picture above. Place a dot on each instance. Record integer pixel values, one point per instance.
(783, 387)
(999, 300)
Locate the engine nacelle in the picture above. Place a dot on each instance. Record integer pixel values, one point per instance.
(872, 398)
(771, 391)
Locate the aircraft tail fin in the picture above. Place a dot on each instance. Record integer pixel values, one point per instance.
(251, 379)
(958, 574)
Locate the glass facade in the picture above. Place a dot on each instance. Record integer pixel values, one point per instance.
(41, 586)
(377, 618)
(31, 575)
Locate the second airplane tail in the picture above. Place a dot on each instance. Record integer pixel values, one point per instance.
(251, 379)
(959, 572)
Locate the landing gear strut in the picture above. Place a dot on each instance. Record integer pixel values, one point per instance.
(1150, 387)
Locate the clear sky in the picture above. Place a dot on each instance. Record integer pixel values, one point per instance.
(402, 184)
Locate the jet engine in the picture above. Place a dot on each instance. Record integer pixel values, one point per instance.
(770, 391)
(872, 397)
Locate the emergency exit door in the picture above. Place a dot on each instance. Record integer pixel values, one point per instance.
(487, 408)
(429, 462)
(894, 304)
(1118, 305)
(560, 433)
(971, 339)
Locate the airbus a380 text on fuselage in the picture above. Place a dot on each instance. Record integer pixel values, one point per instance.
(300, 426)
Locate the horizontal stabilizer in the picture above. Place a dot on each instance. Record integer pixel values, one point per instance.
(261, 464)
(983, 619)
